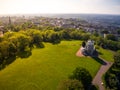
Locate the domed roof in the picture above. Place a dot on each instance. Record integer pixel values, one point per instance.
(90, 42)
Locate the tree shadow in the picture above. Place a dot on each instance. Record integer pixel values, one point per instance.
(93, 87)
(95, 53)
(7, 61)
(99, 60)
(100, 53)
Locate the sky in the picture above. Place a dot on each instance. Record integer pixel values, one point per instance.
(59, 6)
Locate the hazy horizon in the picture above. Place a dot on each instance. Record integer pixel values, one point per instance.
(42, 14)
(12, 7)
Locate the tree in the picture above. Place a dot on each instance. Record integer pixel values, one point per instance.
(111, 45)
(83, 44)
(117, 59)
(95, 33)
(54, 37)
(17, 28)
(118, 31)
(75, 35)
(111, 37)
(1, 39)
(58, 29)
(82, 75)
(111, 81)
(104, 31)
(112, 77)
(36, 37)
(85, 36)
(23, 42)
(4, 46)
(20, 41)
(70, 85)
(12, 49)
(7, 35)
(46, 36)
(65, 34)
(99, 40)
(51, 36)
(1, 57)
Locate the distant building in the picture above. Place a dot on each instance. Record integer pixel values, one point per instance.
(1, 31)
(36, 23)
(105, 35)
(9, 21)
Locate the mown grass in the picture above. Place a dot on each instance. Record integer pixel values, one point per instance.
(46, 67)
(106, 54)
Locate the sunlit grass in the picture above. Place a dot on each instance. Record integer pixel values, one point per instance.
(106, 54)
(46, 67)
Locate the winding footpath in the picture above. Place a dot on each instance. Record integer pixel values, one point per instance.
(103, 69)
(98, 78)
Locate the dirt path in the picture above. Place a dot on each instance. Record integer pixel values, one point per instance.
(98, 78)
(103, 69)
(79, 54)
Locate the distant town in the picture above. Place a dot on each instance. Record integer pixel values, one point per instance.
(89, 23)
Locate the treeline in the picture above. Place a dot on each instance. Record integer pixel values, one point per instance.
(106, 43)
(109, 42)
(19, 44)
(112, 77)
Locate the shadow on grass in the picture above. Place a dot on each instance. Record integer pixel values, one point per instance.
(93, 87)
(100, 53)
(6, 62)
(99, 60)
(11, 59)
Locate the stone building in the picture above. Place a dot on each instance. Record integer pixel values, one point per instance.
(89, 48)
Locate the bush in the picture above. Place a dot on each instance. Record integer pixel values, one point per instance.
(70, 85)
(82, 75)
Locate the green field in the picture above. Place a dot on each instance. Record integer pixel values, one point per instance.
(106, 54)
(46, 67)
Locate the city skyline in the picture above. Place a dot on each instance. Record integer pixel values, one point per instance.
(59, 6)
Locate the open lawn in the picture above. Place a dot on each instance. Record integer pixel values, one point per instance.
(106, 54)
(46, 67)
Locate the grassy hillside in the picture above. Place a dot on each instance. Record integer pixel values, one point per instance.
(106, 54)
(45, 68)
